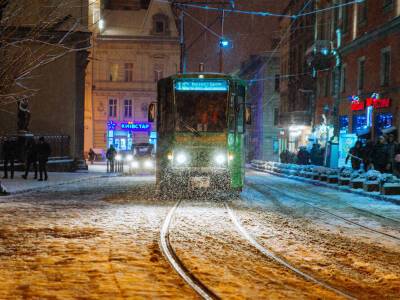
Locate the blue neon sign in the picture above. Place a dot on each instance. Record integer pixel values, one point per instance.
(131, 126)
(205, 85)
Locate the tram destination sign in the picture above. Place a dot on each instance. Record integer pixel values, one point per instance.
(205, 85)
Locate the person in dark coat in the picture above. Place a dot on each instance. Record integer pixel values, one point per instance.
(110, 155)
(31, 159)
(355, 155)
(380, 156)
(303, 157)
(367, 150)
(43, 153)
(316, 155)
(9, 152)
(91, 155)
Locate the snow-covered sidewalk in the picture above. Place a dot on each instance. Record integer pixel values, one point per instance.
(20, 185)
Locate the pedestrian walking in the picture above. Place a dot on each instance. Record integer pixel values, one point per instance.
(303, 157)
(366, 153)
(91, 156)
(31, 159)
(380, 156)
(43, 153)
(316, 155)
(355, 155)
(110, 155)
(9, 154)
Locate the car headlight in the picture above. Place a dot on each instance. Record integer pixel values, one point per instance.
(118, 157)
(148, 164)
(181, 158)
(129, 157)
(135, 164)
(220, 158)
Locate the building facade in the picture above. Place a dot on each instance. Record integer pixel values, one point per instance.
(358, 77)
(297, 83)
(53, 66)
(135, 43)
(262, 73)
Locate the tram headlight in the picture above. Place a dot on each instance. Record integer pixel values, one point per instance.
(148, 164)
(220, 158)
(135, 164)
(230, 157)
(181, 158)
(129, 157)
(170, 156)
(118, 157)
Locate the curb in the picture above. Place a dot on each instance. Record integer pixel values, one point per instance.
(33, 189)
(333, 187)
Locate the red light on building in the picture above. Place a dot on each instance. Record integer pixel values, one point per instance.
(357, 105)
(378, 103)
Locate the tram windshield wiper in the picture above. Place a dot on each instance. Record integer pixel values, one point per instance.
(190, 128)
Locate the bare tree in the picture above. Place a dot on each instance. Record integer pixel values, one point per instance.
(34, 33)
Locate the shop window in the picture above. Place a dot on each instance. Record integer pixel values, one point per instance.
(128, 108)
(112, 108)
(359, 122)
(382, 121)
(128, 72)
(344, 123)
(385, 66)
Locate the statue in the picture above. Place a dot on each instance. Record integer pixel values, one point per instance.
(24, 115)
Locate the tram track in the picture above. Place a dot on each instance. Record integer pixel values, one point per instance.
(271, 255)
(205, 292)
(325, 211)
(165, 244)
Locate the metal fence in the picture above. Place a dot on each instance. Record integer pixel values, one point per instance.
(59, 144)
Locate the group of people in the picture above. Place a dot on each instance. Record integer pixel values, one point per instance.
(304, 157)
(36, 154)
(383, 156)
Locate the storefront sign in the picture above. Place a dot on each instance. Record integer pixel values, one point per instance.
(357, 105)
(129, 126)
(378, 103)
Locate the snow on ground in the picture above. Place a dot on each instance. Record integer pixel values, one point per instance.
(365, 264)
(98, 238)
(207, 242)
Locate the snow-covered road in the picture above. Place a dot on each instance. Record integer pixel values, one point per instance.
(99, 239)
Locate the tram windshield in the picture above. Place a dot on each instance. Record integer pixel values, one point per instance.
(201, 112)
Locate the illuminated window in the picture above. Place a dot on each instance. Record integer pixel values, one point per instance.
(382, 121)
(359, 122)
(128, 108)
(385, 66)
(128, 72)
(112, 108)
(114, 72)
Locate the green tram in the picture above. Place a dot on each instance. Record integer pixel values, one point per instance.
(201, 121)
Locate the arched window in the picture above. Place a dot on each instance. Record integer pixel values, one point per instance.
(160, 24)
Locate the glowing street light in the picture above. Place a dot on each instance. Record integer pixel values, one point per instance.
(224, 43)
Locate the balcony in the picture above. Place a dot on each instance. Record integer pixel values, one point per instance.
(319, 55)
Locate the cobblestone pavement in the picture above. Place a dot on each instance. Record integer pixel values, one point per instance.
(94, 240)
